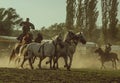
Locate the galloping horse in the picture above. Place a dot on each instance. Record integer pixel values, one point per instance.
(27, 38)
(68, 49)
(113, 57)
(43, 50)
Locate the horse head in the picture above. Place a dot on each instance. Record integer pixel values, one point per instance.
(80, 37)
(69, 36)
(58, 39)
(99, 50)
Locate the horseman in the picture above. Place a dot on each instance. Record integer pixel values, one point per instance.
(26, 26)
(107, 49)
(26, 37)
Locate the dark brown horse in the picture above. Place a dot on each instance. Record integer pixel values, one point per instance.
(68, 49)
(105, 57)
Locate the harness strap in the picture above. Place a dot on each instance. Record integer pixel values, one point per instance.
(42, 48)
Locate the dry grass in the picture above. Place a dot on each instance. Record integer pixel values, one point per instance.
(12, 75)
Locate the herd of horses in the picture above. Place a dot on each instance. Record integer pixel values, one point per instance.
(60, 46)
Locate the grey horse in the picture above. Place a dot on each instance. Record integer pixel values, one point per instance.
(43, 50)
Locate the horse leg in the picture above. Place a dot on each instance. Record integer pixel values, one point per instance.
(115, 65)
(23, 62)
(55, 62)
(71, 58)
(57, 66)
(50, 62)
(66, 62)
(47, 62)
(12, 55)
(39, 65)
(33, 59)
(102, 65)
(30, 63)
(17, 60)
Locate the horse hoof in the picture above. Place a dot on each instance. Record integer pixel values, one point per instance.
(65, 65)
(68, 68)
(47, 62)
(21, 66)
(32, 68)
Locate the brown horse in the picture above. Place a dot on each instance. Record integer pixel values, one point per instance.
(20, 46)
(105, 57)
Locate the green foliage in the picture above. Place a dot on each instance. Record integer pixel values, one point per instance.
(80, 15)
(113, 30)
(53, 30)
(109, 20)
(8, 19)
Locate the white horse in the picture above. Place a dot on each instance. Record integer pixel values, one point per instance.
(43, 50)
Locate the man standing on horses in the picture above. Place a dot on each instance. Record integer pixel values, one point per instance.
(26, 26)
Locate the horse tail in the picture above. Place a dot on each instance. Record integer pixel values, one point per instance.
(12, 56)
(22, 50)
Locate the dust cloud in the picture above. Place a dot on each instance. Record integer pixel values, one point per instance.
(81, 59)
(4, 58)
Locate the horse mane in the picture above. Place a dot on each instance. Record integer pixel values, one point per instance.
(65, 37)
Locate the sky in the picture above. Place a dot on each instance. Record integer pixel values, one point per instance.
(42, 12)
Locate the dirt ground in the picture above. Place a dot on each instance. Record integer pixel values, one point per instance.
(13, 75)
(85, 69)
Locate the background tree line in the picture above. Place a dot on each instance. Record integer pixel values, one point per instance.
(81, 15)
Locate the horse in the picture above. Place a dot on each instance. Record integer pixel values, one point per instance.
(20, 46)
(68, 49)
(43, 50)
(113, 57)
(15, 51)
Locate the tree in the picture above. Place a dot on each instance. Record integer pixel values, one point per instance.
(80, 15)
(104, 5)
(8, 18)
(92, 17)
(113, 30)
(70, 13)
